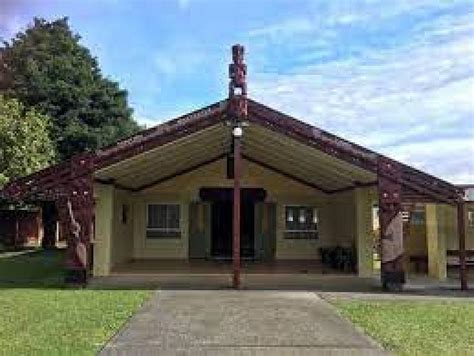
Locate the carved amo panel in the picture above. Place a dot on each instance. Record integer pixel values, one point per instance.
(70, 186)
(391, 225)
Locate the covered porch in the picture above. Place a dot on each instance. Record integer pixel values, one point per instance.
(216, 267)
(170, 209)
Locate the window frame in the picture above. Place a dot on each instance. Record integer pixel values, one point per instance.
(301, 234)
(470, 218)
(165, 231)
(417, 217)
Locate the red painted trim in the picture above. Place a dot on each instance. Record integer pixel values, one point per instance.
(114, 183)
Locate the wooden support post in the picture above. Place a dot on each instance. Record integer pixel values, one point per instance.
(50, 225)
(17, 229)
(462, 245)
(236, 214)
(237, 111)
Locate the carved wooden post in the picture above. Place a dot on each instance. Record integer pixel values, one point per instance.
(391, 224)
(50, 217)
(75, 208)
(237, 111)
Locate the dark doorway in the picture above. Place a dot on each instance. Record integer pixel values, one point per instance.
(221, 220)
(221, 234)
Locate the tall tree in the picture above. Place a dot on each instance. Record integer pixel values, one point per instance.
(25, 145)
(47, 68)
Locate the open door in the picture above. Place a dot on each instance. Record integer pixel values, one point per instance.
(265, 231)
(199, 230)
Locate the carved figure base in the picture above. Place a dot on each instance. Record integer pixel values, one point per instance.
(76, 277)
(393, 281)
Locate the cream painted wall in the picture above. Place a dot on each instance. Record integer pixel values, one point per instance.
(364, 198)
(103, 230)
(437, 227)
(343, 217)
(451, 226)
(280, 190)
(122, 238)
(156, 248)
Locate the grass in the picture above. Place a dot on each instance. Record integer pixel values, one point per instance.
(39, 315)
(415, 327)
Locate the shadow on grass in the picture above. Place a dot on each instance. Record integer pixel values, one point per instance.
(44, 269)
(35, 268)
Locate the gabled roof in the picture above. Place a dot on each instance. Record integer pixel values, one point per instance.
(294, 135)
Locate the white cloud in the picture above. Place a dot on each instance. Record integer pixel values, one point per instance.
(183, 4)
(179, 58)
(146, 121)
(413, 99)
(286, 28)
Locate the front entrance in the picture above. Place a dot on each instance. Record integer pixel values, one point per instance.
(221, 229)
(221, 200)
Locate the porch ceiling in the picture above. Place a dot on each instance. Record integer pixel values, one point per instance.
(167, 160)
(274, 151)
(281, 153)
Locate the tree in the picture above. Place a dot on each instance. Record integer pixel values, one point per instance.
(47, 68)
(25, 145)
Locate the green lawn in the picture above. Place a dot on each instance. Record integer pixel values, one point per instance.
(415, 327)
(39, 315)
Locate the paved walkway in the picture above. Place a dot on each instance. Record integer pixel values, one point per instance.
(230, 322)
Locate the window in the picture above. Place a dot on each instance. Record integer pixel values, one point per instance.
(163, 221)
(417, 217)
(375, 218)
(301, 222)
(470, 218)
(125, 214)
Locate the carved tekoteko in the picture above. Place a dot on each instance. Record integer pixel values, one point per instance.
(238, 81)
(391, 224)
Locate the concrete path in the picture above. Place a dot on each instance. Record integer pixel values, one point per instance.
(230, 322)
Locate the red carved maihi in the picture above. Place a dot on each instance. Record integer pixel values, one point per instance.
(391, 224)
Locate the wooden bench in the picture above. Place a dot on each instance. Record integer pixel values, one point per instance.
(452, 258)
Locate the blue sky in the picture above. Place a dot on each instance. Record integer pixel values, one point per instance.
(395, 76)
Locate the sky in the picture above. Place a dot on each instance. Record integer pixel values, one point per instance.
(393, 76)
